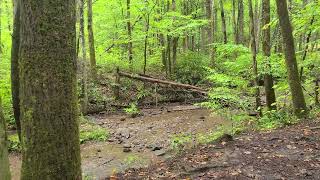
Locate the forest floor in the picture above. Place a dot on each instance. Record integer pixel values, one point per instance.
(291, 152)
(140, 141)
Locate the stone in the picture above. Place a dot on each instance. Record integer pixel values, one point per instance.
(160, 152)
(126, 150)
(126, 146)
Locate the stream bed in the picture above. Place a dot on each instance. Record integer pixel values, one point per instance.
(137, 142)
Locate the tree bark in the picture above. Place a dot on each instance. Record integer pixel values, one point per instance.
(129, 29)
(234, 22)
(266, 46)
(15, 66)
(240, 22)
(93, 63)
(223, 20)
(298, 101)
(84, 81)
(254, 59)
(4, 160)
(49, 113)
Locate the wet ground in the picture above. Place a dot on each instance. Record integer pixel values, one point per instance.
(136, 142)
(292, 152)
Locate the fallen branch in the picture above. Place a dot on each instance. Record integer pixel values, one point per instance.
(166, 82)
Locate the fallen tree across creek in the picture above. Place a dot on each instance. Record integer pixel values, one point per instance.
(160, 81)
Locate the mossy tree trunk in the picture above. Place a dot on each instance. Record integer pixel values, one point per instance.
(48, 93)
(298, 100)
(84, 79)
(266, 46)
(223, 23)
(4, 160)
(15, 65)
(91, 42)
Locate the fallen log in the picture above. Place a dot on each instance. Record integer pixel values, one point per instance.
(166, 82)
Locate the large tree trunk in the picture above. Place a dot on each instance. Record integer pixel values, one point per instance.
(15, 66)
(254, 59)
(4, 160)
(210, 28)
(266, 46)
(49, 113)
(223, 23)
(298, 100)
(91, 42)
(83, 64)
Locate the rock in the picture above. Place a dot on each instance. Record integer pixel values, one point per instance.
(123, 132)
(202, 117)
(100, 123)
(111, 140)
(127, 146)
(98, 150)
(126, 150)
(122, 119)
(156, 147)
(160, 152)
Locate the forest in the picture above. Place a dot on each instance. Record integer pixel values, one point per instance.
(159, 89)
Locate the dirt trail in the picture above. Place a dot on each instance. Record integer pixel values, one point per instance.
(289, 153)
(136, 142)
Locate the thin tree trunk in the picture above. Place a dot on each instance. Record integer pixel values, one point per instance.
(266, 46)
(4, 160)
(223, 20)
(240, 22)
(304, 56)
(146, 44)
(234, 22)
(298, 100)
(93, 63)
(83, 64)
(254, 59)
(48, 91)
(175, 40)
(129, 29)
(15, 66)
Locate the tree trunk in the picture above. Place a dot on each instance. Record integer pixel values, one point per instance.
(93, 63)
(223, 20)
(254, 59)
(83, 64)
(240, 22)
(48, 92)
(15, 66)
(4, 160)
(234, 22)
(298, 100)
(129, 29)
(266, 46)
(175, 41)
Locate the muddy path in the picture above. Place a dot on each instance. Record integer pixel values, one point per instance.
(138, 142)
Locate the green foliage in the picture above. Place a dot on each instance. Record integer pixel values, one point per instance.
(191, 68)
(133, 110)
(274, 119)
(92, 132)
(14, 143)
(179, 140)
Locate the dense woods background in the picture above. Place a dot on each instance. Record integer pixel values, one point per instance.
(251, 57)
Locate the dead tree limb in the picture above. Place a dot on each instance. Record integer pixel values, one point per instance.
(166, 82)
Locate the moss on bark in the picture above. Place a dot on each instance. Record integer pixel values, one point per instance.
(48, 102)
(4, 161)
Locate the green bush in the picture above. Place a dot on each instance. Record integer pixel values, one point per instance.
(191, 68)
